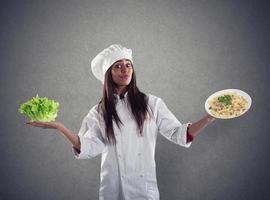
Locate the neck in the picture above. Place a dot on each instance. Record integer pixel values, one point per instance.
(120, 90)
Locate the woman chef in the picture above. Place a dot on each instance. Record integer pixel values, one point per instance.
(123, 128)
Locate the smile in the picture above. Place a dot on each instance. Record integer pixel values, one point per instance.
(124, 77)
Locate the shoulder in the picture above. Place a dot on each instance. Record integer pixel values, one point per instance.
(93, 112)
(153, 100)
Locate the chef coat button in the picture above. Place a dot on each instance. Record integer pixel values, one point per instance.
(122, 176)
(139, 154)
(141, 175)
(119, 155)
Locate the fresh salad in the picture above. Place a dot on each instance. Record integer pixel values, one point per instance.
(40, 109)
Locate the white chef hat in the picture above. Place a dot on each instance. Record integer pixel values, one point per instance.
(102, 62)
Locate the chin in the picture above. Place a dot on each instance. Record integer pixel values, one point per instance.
(124, 83)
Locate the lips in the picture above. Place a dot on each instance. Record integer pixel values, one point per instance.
(124, 77)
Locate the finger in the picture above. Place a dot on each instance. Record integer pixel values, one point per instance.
(35, 124)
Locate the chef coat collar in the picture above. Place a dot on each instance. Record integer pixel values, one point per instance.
(121, 98)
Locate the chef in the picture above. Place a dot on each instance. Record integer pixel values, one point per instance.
(123, 128)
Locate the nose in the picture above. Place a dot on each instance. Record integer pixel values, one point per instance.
(124, 69)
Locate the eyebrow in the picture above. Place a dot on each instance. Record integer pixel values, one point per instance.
(123, 59)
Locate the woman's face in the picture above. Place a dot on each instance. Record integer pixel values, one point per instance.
(122, 72)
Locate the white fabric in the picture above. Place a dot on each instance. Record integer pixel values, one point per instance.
(128, 170)
(103, 60)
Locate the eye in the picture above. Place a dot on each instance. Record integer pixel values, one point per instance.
(129, 65)
(118, 66)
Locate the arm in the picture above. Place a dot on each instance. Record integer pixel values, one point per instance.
(87, 144)
(195, 128)
(71, 136)
(169, 126)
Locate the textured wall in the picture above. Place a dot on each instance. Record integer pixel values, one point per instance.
(183, 52)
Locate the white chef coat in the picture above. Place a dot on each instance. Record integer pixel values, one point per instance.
(128, 169)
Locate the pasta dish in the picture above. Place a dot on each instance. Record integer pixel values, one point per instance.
(228, 105)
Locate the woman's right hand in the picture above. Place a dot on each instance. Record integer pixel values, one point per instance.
(46, 125)
(71, 136)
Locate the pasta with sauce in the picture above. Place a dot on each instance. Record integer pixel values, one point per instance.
(228, 106)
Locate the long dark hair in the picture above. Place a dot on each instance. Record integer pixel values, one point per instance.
(137, 101)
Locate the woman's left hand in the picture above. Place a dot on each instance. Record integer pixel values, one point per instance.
(210, 118)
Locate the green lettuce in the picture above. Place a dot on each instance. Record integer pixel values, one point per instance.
(40, 109)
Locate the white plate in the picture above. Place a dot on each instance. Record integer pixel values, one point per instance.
(227, 91)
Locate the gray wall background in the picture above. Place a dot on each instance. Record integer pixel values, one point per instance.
(183, 52)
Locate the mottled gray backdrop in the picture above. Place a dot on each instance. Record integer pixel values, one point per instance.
(183, 52)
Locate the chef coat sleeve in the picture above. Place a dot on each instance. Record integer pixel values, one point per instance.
(170, 127)
(91, 140)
